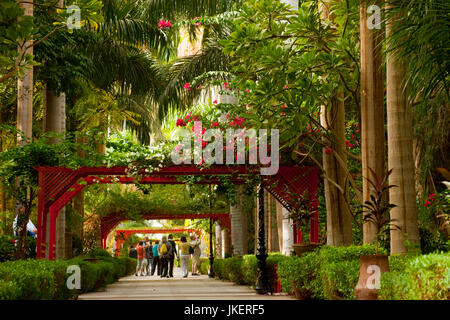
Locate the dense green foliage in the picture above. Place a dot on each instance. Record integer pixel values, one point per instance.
(424, 277)
(243, 270)
(327, 273)
(333, 272)
(7, 248)
(42, 279)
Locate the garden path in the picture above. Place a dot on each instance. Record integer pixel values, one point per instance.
(177, 288)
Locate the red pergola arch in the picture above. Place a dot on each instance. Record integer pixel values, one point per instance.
(58, 186)
(111, 221)
(128, 232)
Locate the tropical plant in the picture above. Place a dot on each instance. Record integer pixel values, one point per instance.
(376, 210)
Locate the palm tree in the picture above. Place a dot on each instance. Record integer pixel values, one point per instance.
(400, 151)
(372, 108)
(332, 118)
(25, 85)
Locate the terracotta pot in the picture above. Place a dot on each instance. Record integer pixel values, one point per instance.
(301, 248)
(370, 271)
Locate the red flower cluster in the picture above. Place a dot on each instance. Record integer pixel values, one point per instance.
(237, 122)
(227, 87)
(310, 128)
(13, 241)
(328, 151)
(164, 24)
(353, 131)
(187, 86)
(190, 117)
(430, 199)
(181, 123)
(197, 21)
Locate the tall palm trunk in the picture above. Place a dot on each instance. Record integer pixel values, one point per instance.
(25, 85)
(55, 121)
(372, 109)
(238, 225)
(24, 124)
(400, 154)
(339, 219)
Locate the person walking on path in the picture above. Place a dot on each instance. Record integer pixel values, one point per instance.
(164, 252)
(148, 255)
(156, 262)
(172, 256)
(195, 243)
(184, 256)
(132, 253)
(141, 261)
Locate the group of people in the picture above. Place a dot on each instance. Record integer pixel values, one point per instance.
(160, 256)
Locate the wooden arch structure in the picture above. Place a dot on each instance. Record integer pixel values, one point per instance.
(123, 234)
(109, 222)
(58, 186)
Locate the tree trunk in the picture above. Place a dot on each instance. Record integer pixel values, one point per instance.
(24, 125)
(3, 209)
(288, 232)
(279, 225)
(238, 226)
(372, 110)
(55, 121)
(400, 154)
(339, 219)
(218, 231)
(25, 86)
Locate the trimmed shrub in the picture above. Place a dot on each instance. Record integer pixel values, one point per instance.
(43, 279)
(204, 266)
(9, 290)
(233, 269)
(424, 277)
(326, 273)
(7, 248)
(243, 270)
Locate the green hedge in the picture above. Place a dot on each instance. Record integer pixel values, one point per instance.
(43, 279)
(243, 270)
(424, 277)
(326, 273)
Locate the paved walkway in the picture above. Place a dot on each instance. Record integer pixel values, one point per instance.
(177, 288)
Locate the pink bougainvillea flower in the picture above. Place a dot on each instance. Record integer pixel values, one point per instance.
(215, 102)
(215, 124)
(285, 87)
(228, 115)
(164, 24)
(178, 147)
(248, 91)
(187, 86)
